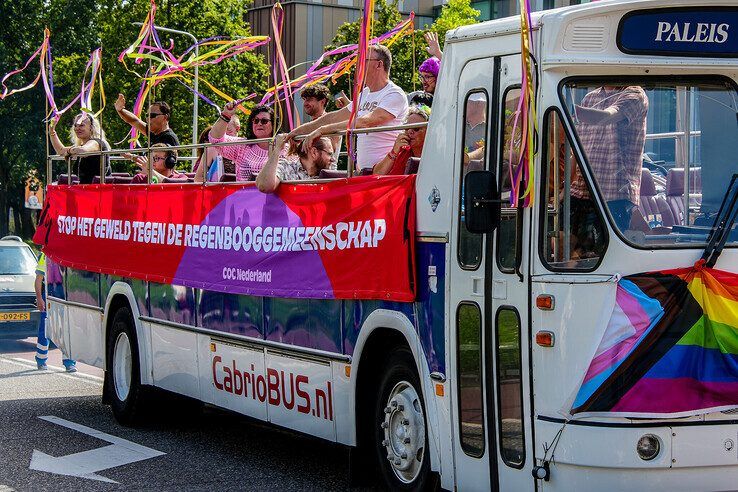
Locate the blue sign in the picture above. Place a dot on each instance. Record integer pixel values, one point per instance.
(711, 32)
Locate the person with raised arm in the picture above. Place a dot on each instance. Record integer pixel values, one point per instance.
(381, 103)
(311, 160)
(88, 136)
(158, 122)
(249, 158)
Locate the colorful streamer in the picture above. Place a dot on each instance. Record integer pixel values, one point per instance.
(164, 65)
(280, 64)
(522, 173)
(46, 76)
(317, 73)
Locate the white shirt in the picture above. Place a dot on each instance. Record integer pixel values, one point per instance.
(372, 147)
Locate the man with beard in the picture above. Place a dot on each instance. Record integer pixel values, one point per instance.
(311, 160)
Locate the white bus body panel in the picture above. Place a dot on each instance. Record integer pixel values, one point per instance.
(175, 353)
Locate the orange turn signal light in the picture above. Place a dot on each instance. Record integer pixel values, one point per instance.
(545, 302)
(347, 370)
(440, 391)
(212, 346)
(545, 338)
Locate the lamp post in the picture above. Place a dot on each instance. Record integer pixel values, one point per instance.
(196, 99)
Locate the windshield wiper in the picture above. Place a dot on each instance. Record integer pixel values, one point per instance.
(723, 224)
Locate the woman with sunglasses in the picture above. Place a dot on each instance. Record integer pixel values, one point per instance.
(408, 144)
(88, 136)
(249, 158)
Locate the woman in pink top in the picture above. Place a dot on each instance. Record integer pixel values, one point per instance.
(249, 158)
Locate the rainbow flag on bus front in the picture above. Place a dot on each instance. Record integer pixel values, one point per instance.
(670, 348)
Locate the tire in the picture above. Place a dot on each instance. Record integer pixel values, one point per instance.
(401, 437)
(123, 389)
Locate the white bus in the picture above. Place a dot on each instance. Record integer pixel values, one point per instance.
(467, 387)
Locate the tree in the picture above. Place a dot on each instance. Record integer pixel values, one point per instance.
(78, 27)
(22, 147)
(410, 51)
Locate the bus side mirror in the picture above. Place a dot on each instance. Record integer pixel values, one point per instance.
(482, 204)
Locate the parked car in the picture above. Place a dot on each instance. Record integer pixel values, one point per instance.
(18, 312)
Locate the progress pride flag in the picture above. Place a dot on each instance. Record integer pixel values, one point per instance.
(343, 239)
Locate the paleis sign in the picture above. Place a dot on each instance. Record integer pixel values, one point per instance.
(710, 32)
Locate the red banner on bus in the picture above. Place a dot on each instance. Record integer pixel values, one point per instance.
(344, 239)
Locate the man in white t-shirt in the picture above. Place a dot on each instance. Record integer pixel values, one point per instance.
(381, 103)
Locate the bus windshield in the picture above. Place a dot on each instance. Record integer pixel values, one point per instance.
(640, 138)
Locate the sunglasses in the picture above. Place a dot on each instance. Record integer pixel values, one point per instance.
(158, 158)
(262, 121)
(154, 115)
(426, 78)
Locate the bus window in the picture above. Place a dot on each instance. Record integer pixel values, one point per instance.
(469, 360)
(474, 157)
(510, 151)
(661, 151)
(575, 235)
(510, 388)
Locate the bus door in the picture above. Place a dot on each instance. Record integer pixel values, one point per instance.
(473, 455)
(507, 340)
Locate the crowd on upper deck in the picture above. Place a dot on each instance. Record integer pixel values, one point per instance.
(309, 151)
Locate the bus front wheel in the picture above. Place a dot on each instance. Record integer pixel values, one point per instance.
(123, 371)
(401, 437)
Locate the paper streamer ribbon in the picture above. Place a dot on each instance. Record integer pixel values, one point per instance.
(522, 170)
(280, 64)
(46, 76)
(317, 74)
(165, 65)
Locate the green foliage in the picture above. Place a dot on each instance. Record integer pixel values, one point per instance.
(410, 51)
(78, 27)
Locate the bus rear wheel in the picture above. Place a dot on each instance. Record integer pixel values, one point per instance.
(123, 387)
(401, 435)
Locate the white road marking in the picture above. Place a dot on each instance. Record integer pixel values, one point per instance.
(86, 464)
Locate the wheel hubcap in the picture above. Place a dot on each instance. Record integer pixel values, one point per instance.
(404, 432)
(122, 366)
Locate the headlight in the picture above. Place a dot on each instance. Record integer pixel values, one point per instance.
(648, 447)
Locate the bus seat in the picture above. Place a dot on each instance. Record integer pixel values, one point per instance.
(675, 191)
(120, 179)
(175, 180)
(228, 178)
(332, 174)
(475, 165)
(412, 165)
(191, 175)
(96, 180)
(367, 171)
(120, 174)
(64, 179)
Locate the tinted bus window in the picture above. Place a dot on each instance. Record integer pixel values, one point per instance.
(469, 357)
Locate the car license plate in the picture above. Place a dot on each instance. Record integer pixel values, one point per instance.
(15, 316)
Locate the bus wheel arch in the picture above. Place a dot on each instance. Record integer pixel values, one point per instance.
(124, 386)
(385, 357)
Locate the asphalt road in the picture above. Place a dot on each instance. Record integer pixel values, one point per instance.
(205, 449)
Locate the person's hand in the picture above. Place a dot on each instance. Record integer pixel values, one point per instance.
(142, 164)
(342, 101)
(434, 48)
(52, 126)
(279, 141)
(311, 138)
(402, 141)
(229, 109)
(41, 305)
(120, 103)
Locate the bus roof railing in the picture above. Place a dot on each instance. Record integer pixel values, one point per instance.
(113, 153)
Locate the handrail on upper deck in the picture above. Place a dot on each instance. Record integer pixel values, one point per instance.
(141, 150)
